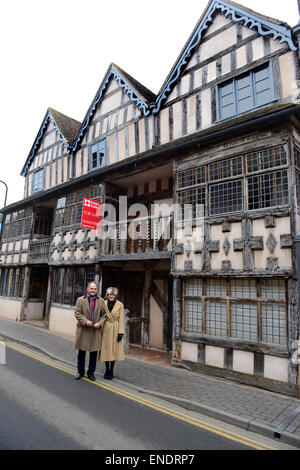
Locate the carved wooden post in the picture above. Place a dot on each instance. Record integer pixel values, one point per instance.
(156, 233)
(25, 295)
(49, 296)
(123, 235)
(133, 229)
(140, 236)
(148, 235)
(176, 317)
(98, 278)
(145, 325)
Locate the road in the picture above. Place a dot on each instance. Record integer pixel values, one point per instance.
(42, 407)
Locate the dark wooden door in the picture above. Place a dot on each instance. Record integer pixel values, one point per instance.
(133, 285)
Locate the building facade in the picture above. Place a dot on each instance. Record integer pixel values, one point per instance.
(200, 191)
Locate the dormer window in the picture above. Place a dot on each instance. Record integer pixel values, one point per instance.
(97, 157)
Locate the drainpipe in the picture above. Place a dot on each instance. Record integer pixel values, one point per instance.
(297, 242)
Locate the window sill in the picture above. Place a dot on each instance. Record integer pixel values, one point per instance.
(232, 343)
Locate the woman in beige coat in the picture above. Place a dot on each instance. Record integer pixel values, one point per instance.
(113, 330)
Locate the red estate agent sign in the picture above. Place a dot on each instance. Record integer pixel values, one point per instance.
(91, 214)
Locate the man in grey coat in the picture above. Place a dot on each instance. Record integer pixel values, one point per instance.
(90, 316)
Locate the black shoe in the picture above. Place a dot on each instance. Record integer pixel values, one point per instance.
(110, 375)
(106, 375)
(92, 377)
(78, 376)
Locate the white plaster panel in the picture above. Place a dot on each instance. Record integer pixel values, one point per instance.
(206, 108)
(131, 140)
(193, 61)
(214, 356)
(226, 64)
(66, 254)
(219, 21)
(173, 94)
(79, 236)
(191, 112)
(47, 177)
(276, 368)
(25, 244)
(62, 321)
(185, 84)
(284, 256)
(55, 255)
(196, 237)
(92, 252)
(155, 325)
(142, 140)
(288, 75)
(246, 32)
(258, 48)
(85, 159)
(164, 126)
(211, 71)
(236, 257)
(68, 238)
(77, 253)
(211, 47)
(189, 351)
(197, 78)
(78, 163)
(110, 103)
(241, 57)
(275, 45)
(113, 85)
(179, 262)
(122, 148)
(92, 235)
(10, 309)
(243, 361)
(177, 120)
(56, 239)
(35, 311)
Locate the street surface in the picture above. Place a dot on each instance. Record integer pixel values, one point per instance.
(42, 407)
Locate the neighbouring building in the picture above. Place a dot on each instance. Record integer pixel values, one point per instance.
(212, 275)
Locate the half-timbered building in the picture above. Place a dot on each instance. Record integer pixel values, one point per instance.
(200, 188)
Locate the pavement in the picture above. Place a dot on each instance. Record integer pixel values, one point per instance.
(274, 415)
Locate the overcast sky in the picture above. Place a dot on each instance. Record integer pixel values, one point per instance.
(55, 54)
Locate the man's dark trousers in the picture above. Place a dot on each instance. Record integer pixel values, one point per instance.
(81, 362)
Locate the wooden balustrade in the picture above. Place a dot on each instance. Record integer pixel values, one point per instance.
(39, 251)
(140, 236)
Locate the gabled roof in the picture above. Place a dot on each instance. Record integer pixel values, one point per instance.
(66, 128)
(138, 93)
(264, 25)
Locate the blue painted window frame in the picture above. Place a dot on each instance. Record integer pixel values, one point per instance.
(38, 180)
(97, 155)
(253, 89)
